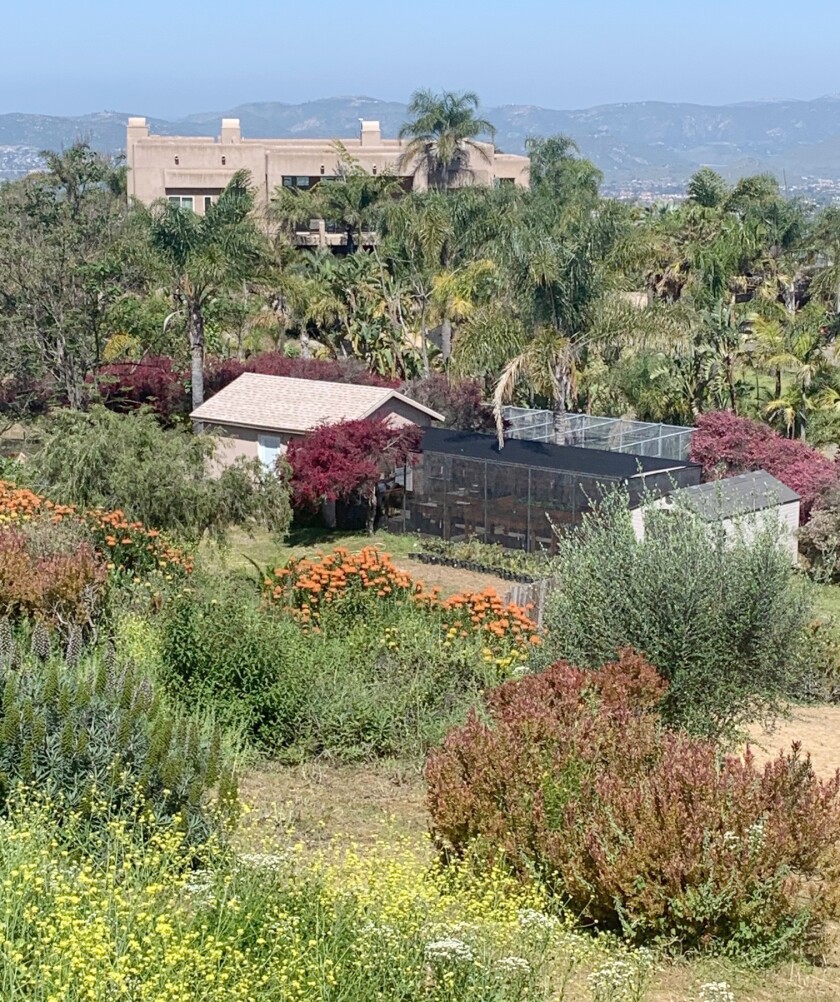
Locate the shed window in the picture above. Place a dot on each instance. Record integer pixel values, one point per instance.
(268, 449)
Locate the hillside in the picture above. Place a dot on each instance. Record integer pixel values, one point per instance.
(644, 148)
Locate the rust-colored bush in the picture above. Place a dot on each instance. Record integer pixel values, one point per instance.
(643, 830)
(61, 587)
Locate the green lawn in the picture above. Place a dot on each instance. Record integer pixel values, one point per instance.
(264, 550)
(828, 600)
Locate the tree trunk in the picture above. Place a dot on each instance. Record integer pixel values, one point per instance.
(446, 340)
(424, 339)
(196, 327)
(370, 521)
(778, 385)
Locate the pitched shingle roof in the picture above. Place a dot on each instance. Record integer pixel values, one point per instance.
(733, 496)
(285, 404)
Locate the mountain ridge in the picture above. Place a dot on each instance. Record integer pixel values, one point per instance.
(644, 148)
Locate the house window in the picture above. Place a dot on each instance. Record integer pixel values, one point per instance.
(269, 448)
(183, 201)
(208, 202)
(295, 181)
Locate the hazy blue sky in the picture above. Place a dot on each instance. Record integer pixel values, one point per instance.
(171, 58)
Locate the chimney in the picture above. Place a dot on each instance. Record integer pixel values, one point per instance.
(136, 129)
(370, 133)
(231, 132)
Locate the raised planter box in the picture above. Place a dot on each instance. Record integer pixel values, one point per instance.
(470, 565)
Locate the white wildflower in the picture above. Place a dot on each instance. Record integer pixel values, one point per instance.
(266, 860)
(716, 991)
(730, 840)
(621, 980)
(514, 965)
(449, 950)
(530, 918)
(755, 835)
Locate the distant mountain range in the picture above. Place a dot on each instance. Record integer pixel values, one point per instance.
(645, 149)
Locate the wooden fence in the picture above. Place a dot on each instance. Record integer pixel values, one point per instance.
(534, 594)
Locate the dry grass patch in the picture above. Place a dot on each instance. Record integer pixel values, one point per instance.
(317, 803)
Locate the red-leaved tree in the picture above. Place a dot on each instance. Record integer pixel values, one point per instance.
(346, 461)
(461, 401)
(726, 445)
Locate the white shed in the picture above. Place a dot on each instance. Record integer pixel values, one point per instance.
(745, 502)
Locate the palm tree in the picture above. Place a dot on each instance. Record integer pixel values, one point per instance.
(548, 365)
(827, 238)
(442, 136)
(204, 255)
(354, 200)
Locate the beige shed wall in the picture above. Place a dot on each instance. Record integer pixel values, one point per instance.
(786, 517)
(400, 413)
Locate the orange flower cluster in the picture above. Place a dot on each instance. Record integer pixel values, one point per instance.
(126, 545)
(485, 612)
(306, 585)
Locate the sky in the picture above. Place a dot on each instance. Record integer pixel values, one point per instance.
(168, 59)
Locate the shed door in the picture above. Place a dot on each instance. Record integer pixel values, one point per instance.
(269, 448)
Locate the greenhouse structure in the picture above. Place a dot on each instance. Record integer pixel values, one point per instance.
(642, 438)
(464, 486)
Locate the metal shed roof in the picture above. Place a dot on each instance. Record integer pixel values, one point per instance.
(562, 458)
(733, 496)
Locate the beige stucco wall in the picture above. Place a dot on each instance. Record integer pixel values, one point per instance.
(399, 413)
(205, 165)
(235, 442)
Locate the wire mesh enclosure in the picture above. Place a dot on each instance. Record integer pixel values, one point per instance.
(641, 438)
(466, 487)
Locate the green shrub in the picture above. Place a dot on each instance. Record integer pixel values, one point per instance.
(162, 477)
(645, 831)
(724, 619)
(381, 684)
(87, 726)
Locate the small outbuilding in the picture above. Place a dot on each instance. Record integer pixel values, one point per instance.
(743, 503)
(256, 416)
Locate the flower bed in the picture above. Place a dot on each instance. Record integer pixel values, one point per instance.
(127, 546)
(356, 583)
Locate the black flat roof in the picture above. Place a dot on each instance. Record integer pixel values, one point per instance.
(561, 458)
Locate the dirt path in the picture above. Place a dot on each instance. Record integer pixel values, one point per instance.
(816, 727)
(451, 579)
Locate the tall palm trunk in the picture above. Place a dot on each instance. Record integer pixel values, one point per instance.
(196, 332)
(446, 340)
(424, 338)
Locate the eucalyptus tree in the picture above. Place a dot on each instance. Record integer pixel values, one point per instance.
(61, 268)
(204, 256)
(443, 136)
